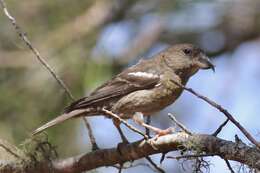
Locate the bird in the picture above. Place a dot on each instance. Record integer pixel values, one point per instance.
(142, 89)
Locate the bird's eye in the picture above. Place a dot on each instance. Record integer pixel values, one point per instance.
(187, 51)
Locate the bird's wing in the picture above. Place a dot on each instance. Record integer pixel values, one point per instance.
(128, 81)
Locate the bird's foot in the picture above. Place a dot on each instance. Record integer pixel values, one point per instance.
(160, 132)
(138, 118)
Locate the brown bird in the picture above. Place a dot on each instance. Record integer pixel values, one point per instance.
(142, 89)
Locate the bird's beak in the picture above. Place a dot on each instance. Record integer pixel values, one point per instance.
(205, 63)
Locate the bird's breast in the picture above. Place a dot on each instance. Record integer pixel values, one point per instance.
(166, 94)
(147, 101)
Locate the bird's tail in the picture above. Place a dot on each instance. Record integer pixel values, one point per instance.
(60, 119)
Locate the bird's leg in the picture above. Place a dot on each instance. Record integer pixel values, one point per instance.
(138, 118)
(117, 125)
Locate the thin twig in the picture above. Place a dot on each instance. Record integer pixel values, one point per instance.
(162, 157)
(42, 60)
(179, 124)
(111, 114)
(91, 135)
(224, 111)
(158, 168)
(229, 166)
(148, 121)
(120, 168)
(147, 132)
(238, 140)
(10, 151)
(220, 128)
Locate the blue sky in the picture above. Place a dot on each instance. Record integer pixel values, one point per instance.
(234, 85)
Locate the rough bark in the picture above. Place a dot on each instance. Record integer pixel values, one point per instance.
(199, 143)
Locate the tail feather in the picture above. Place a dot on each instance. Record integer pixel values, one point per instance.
(59, 120)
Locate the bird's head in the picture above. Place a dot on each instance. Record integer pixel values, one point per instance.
(186, 59)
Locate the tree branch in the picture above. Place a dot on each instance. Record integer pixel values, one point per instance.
(206, 144)
(179, 124)
(229, 166)
(224, 111)
(111, 114)
(220, 127)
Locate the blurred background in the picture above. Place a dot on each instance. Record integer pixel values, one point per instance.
(89, 41)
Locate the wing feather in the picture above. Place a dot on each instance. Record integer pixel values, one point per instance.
(128, 81)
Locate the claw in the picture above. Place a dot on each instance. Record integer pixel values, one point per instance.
(151, 143)
(160, 132)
